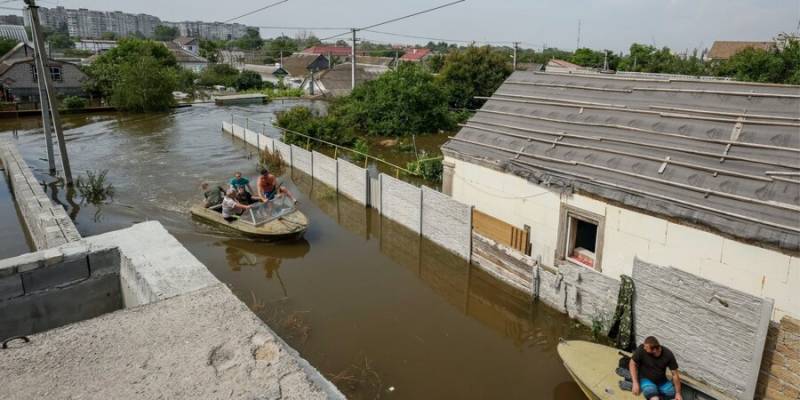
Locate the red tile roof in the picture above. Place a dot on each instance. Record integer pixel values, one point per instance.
(415, 54)
(325, 50)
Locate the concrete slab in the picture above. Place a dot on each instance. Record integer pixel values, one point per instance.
(201, 345)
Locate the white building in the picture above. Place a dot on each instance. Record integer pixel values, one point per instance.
(603, 169)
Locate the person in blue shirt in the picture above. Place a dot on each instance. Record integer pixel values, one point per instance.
(239, 181)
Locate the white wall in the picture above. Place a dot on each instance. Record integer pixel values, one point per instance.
(629, 234)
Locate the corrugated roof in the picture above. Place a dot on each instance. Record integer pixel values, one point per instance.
(722, 155)
(297, 64)
(184, 40)
(182, 55)
(370, 60)
(723, 50)
(338, 80)
(563, 64)
(328, 50)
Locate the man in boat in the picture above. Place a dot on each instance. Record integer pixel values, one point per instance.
(648, 366)
(239, 181)
(231, 207)
(212, 197)
(268, 187)
(243, 196)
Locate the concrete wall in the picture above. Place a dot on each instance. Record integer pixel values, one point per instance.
(46, 222)
(325, 169)
(446, 222)
(401, 202)
(301, 160)
(630, 234)
(353, 181)
(47, 289)
(780, 367)
(716, 333)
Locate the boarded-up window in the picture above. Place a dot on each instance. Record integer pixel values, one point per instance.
(501, 232)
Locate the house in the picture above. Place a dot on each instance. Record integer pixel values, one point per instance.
(234, 58)
(96, 46)
(561, 66)
(300, 65)
(722, 49)
(338, 80)
(15, 32)
(269, 73)
(375, 64)
(329, 51)
(189, 44)
(603, 170)
(416, 55)
(185, 58)
(18, 77)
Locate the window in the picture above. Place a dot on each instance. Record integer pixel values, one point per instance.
(55, 74)
(580, 237)
(33, 72)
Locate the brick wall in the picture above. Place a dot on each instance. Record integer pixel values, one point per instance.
(780, 366)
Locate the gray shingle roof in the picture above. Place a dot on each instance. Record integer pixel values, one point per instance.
(722, 155)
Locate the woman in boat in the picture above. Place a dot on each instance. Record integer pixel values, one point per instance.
(231, 207)
(268, 187)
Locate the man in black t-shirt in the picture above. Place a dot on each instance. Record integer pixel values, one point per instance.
(648, 368)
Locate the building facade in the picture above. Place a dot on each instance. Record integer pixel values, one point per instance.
(19, 80)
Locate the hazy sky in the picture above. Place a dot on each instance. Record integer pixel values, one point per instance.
(612, 24)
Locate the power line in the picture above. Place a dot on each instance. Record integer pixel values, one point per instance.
(302, 28)
(256, 10)
(498, 42)
(397, 19)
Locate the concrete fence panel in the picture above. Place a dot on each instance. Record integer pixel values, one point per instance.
(227, 127)
(401, 202)
(705, 324)
(325, 169)
(446, 222)
(285, 151)
(302, 160)
(251, 137)
(353, 181)
(265, 143)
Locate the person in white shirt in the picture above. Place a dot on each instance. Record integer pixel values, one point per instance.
(231, 207)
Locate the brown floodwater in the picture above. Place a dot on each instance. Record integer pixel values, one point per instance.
(379, 311)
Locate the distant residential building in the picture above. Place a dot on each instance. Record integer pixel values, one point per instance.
(16, 32)
(329, 51)
(300, 65)
(722, 50)
(185, 58)
(338, 80)
(96, 46)
(11, 20)
(84, 23)
(269, 73)
(416, 55)
(189, 44)
(18, 77)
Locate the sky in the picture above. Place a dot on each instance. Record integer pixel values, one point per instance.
(604, 24)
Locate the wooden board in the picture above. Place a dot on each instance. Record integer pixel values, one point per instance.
(501, 231)
(592, 366)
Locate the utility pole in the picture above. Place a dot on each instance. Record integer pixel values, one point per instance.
(43, 72)
(353, 60)
(514, 64)
(578, 46)
(48, 136)
(605, 61)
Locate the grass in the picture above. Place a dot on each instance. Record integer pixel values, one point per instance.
(94, 189)
(359, 380)
(273, 161)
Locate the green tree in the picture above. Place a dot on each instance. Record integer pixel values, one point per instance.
(185, 79)
(587, 58)
(282, 44)
(209, 49)
(144, 85)
(165, 33)
(303, 120)
(759, 65)
(6, 45)
(435, 63)
(402, 102)
(250, 41)
(219, 74)
(473, 71)
(249, 80)
(60, 40)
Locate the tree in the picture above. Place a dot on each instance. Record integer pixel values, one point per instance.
(60, 40)
(249, 80)
(209, 49)
(6, 45)
(303, 120)
(219, 74)
(144, 85)
(250, 41)
(185, 79)
(474, 71)
(282, 45)
(759, 65)
(165, 33)
(402, 102)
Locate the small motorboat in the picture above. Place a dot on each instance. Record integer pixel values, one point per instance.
(593, 366)
(276, 220)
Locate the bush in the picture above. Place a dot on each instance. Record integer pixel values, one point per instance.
(248, 80)
(219, 74)
(93, 189)
(429, 168)
(361, 146)
(144, 86)
(186, 79)
(474, 71)
(74, 103)
(303, 120)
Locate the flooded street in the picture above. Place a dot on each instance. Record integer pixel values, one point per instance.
(379, 311)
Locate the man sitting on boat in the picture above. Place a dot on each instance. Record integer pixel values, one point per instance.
(268, 187)
(239, 181)
(213, 197)
(243, 196)
(231, 207)
(648, 366)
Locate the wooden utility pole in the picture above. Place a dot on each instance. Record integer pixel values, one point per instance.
(48, 100)
(353, 61)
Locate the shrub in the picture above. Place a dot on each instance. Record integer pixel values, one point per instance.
(219, 74)
(248, 80)
(273, 161)
(74, 102)
(93, 189)
(303, 120)
(361, 146)
(429, 168)
(144, 86)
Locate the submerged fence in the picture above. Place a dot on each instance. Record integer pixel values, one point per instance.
(423, 210)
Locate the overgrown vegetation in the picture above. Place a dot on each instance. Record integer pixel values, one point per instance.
(74, 103)
(427, 167)
(273, 161)
(360, 380)
(94, 189)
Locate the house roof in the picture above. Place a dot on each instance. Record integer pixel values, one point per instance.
(275, 70)
(680, 149)
(297, 64)
(380, 61)
(328, 50)
(723, 50)
(415, 54)
(183, 56)
(338, 80)
(185, 40)
(529, 67)
(563, 64)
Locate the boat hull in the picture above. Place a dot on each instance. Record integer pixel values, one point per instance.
(288, 227)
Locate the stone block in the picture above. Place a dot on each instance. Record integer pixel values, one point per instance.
(11, 286)
(104, 261)
(55, 276)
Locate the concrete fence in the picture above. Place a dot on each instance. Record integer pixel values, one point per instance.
(422, 210)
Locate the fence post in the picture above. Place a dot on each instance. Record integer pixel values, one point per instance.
(471, 228)
(368, 193)
(336, 163)
(380, 194)
(421, 206)
(232, 122)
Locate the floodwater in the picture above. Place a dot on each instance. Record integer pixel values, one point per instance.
(379, 311)
(12, 235)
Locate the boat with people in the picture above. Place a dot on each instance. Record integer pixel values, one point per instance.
(278, 219)
(594, 366)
